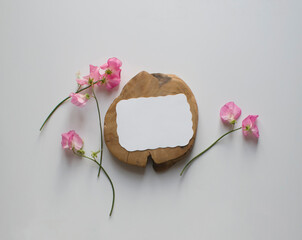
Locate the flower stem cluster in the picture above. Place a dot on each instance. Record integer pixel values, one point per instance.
(110, 79)
(229, 113)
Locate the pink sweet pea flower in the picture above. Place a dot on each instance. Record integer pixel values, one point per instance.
(93, 76)
(112, 76)
(94, 73)
(78, 99)
(112, 67)
(249, 126)
(230, 112)
(71, 140)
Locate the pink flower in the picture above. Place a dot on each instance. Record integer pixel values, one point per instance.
(79, 99)
(72, 140)
(112, 76)
(93, 76)
(94, 73)
(230, 112)
(249, 126)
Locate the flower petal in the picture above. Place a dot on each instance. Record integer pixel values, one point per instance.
(104, 66)
(70, 137)
(77, 141)
(253, 118)
(64, 141)
(114, 63)
(93, 68)
(255, 131)
(82, 81)
(245, 132)
(115, 73)
(94, 73)
(112, 82)
(246, 122)
(236, 111)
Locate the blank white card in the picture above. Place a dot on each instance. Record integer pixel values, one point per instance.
(154, 122)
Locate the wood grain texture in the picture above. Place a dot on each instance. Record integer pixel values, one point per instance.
(149, 85)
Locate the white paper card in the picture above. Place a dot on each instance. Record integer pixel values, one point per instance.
(154, 122)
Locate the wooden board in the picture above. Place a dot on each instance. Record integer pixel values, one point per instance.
(149, 85)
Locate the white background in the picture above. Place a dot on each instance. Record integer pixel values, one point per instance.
(246, 51)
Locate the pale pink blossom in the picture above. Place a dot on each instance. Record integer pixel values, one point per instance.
(112, 76)
(93, 76)
(80, 80)
(230, 112)
(94, 73)
(79, 99)
(249, 126)
(112, 67)
(72, 140)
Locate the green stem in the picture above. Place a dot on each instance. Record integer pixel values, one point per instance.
(101, 130)
(113, 191)
(52, 112)
(190, 162)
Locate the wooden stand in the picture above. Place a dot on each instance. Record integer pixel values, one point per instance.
(149, 85)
